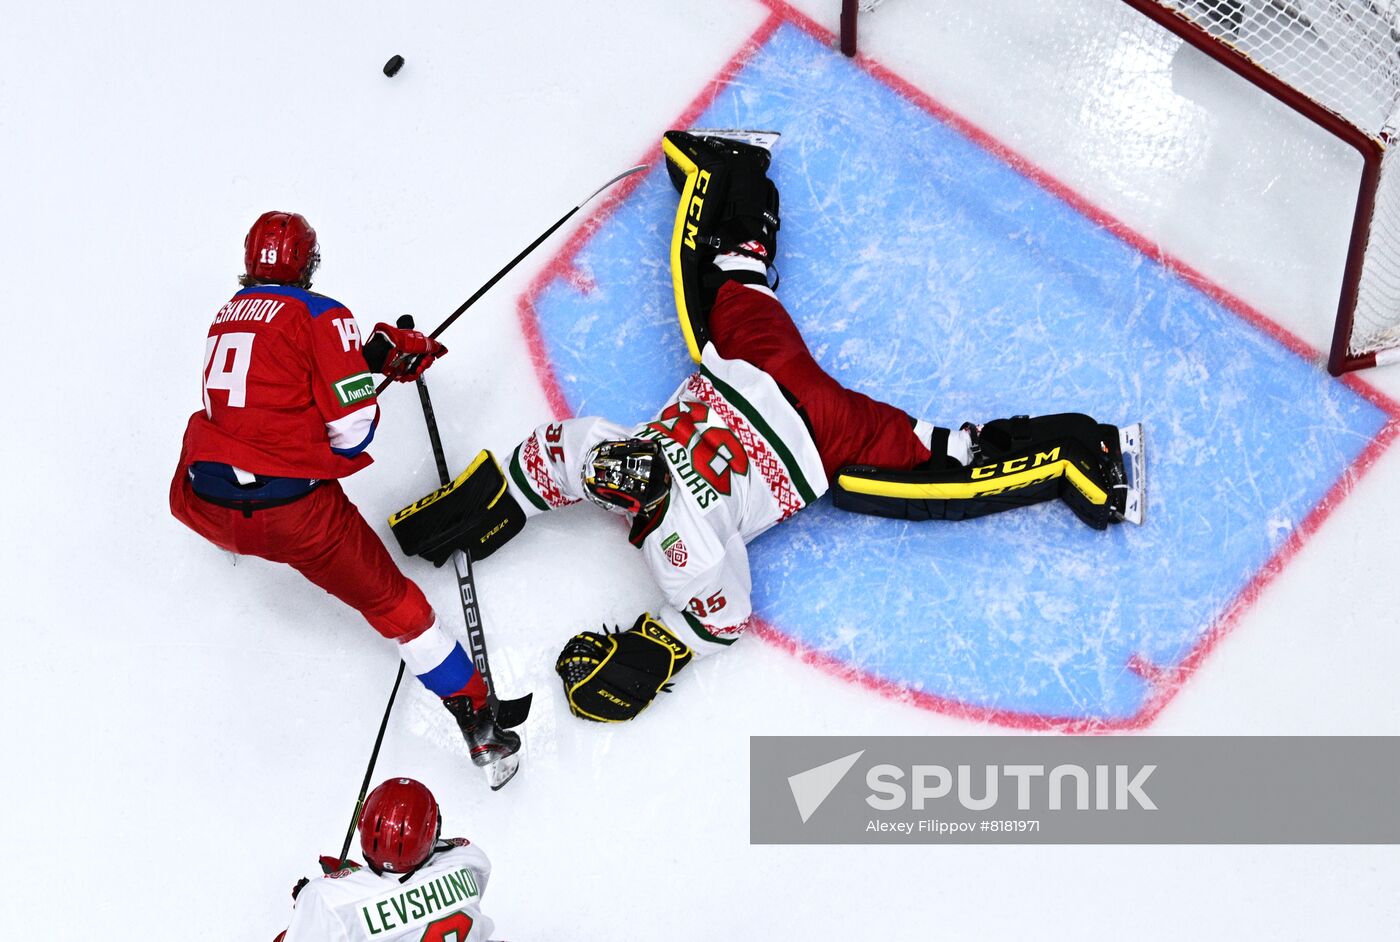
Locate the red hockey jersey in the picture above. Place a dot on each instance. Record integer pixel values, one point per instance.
(286, 389)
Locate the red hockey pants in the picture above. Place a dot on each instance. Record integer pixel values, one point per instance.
(849, 427)
(323, 537)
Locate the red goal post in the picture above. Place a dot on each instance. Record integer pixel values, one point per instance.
(1336, 63)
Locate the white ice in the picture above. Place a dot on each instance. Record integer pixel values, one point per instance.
(182, 735)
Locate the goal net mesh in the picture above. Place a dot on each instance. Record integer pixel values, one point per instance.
(1345, 56)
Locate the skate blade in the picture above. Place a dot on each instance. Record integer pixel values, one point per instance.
(764, 139)
(501, 771)
(1135, 467)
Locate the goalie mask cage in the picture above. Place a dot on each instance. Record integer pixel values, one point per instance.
(1337, 63)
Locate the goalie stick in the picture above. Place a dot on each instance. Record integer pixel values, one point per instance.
(508, 713)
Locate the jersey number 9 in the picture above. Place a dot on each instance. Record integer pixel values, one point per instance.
(452, 928)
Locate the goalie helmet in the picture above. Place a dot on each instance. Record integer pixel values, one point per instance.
(399, 826)
(280, 249)
(628, 476)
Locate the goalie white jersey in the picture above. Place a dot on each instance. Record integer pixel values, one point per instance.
(441, 900)
(741, 460)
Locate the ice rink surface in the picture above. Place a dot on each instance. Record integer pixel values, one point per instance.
(1004, 207)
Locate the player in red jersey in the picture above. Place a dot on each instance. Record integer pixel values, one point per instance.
(289, 409)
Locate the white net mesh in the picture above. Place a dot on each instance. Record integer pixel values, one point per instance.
(1147, 138)
(1343, 54)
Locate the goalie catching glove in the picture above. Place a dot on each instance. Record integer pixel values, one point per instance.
(609, 678)
(474, 514)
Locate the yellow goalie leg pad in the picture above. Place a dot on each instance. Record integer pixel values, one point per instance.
(683, 246)
(956, 493)
(969, 483)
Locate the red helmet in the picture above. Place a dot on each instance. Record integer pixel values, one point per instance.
(281, 247)
(399, 826)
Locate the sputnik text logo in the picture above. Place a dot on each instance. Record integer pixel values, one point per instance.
(893, 787)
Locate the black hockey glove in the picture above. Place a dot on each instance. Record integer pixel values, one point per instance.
(475, 514)
(610, 678)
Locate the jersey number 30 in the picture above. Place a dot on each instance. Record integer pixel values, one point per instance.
(226, 361)
(453, 928)
(716, 453)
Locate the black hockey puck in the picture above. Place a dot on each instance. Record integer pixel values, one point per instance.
(391, 68)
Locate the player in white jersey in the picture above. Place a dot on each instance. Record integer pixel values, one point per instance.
(756, 434)
(417, 885)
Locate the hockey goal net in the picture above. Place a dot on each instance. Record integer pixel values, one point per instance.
(1337, 63)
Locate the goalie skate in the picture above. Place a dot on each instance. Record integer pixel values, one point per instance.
(1135, 470)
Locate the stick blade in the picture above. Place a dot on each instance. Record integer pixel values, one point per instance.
(511, 713)
(621, 176)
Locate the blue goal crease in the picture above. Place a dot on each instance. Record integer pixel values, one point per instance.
(925, 271)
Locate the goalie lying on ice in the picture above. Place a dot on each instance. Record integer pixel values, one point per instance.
(758, 432)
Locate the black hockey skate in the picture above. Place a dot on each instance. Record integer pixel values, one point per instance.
(486, 741)
(728, 206)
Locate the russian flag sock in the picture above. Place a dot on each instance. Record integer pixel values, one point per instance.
(443, 666)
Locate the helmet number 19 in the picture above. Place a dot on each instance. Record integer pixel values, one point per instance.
(226, 361)
(268, 256)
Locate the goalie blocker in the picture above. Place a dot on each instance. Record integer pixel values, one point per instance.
(1098, 470)
(475, 513)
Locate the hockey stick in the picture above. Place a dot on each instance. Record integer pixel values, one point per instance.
(437, 332)
(369, 770)
(508, 713)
